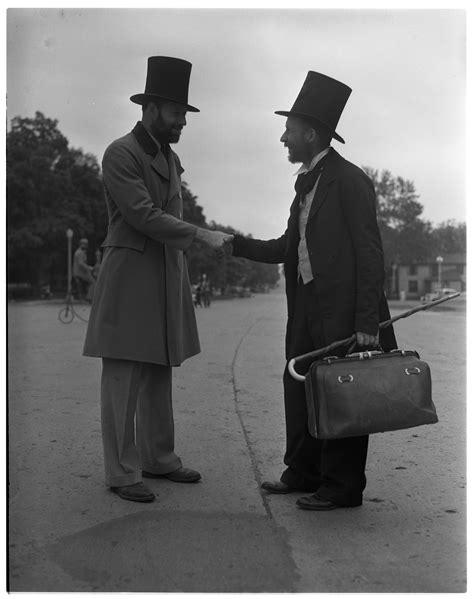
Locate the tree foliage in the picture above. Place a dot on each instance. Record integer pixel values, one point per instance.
(448, 238)
(225, 272)
(50, 188)
(408, 238)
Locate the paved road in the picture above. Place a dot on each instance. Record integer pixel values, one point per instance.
(68, 533)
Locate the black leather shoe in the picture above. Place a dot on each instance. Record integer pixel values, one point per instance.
(316, 503)
(278, 488)
(136, 492)
(181, 475)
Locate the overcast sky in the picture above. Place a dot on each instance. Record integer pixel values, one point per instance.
(406, 113)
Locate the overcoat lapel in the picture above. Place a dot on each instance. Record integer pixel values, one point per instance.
(158, 162)
(175, 185)
(160, 165)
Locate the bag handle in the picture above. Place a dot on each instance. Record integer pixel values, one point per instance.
(377, 349)
(351, 341)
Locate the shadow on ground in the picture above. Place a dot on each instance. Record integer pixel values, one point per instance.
(176, 551)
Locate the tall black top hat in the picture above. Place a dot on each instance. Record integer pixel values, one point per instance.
(321, 99)
(168, 79)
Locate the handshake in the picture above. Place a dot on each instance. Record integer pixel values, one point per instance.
(217, 240)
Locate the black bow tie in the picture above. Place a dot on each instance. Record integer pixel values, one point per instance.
(306, 181)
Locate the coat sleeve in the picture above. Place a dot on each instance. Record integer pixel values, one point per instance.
(271, 251)
(123, 179)
(359, 206)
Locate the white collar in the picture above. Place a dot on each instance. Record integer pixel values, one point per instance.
(305, 169)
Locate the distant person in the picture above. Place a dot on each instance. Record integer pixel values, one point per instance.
(334, 272)
(206, 291)
(81, 271)
(95, 273)
(142, 320)
(197, 296)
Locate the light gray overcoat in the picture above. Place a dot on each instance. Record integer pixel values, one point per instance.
(142, 307)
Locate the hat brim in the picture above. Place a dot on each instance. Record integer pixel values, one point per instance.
(140, 98)
(309, 116)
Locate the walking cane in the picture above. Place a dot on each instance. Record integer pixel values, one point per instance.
(325, 350)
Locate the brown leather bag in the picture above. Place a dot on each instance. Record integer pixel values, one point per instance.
(368, 392)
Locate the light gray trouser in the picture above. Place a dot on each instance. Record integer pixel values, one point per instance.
(143, 389)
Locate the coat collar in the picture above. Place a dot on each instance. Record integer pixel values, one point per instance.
(159, 162)
(145, 139)
(330, 167)
(328, 174)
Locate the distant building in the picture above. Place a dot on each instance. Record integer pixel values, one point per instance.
(418, 279)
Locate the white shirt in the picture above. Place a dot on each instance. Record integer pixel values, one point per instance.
(304, 265)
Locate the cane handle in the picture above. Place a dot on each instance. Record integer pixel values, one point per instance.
(294, 374)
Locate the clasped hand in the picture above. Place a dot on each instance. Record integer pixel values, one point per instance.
(216, 240)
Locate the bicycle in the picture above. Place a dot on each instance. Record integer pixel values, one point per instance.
(66, 315)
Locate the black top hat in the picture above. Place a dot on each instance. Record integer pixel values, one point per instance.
(321, 99)
(168, 79)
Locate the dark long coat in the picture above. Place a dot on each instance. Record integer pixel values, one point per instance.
(142, 307)
(345, 252)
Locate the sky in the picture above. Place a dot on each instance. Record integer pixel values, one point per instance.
(406, 114)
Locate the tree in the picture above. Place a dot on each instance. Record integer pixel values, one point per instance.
(262, 276)
(199, 257)
(223, 271)
(448, 238)
(192, 212)
(405, 235)
(50, 188)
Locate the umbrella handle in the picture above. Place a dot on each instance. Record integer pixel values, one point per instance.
(294, 374)
(316, 354)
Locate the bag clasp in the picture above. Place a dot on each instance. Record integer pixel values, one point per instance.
(346, 378)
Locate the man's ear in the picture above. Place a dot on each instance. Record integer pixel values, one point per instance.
(151, 109)
(310, 135)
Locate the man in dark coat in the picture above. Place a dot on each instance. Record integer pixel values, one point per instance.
(334, 271)
(142, 320)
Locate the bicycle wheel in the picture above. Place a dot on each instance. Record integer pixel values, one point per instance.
(81, 310)
(66, 315)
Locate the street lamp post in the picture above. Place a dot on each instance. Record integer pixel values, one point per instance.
(439, 260)
(69, 235)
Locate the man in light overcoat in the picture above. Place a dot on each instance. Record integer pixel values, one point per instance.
(142, 320)
(81, 271)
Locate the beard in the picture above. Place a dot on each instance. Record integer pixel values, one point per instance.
(174, 135)
(294, 156)
(299, 153)
(164, 133)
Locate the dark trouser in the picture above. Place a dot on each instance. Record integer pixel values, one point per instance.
(336, 468)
